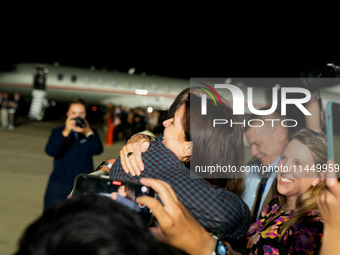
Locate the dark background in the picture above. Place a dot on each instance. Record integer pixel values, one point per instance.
(168, 66)
(161, 59)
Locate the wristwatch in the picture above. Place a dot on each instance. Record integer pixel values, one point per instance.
(220, 247)
(104, 163)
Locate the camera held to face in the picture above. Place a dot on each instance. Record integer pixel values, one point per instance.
(80, 122)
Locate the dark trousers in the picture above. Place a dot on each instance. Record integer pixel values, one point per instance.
(55, 192)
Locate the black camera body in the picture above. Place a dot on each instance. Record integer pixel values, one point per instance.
(319, 76)
(80, 122)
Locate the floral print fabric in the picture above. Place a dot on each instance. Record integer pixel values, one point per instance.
(303, 238)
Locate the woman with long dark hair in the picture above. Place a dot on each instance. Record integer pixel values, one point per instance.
(190, 140)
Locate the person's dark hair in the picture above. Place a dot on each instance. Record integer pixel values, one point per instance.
(76, 101)
(87, 224)
(130, 191)
(222, 144)
(179, 100)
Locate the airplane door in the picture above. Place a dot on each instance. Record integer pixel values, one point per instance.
(39, 95)
(40, 78)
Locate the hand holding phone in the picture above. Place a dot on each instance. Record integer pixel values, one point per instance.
(177, 227)
(122, 191)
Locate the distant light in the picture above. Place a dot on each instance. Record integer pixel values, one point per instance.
(56, 64)
(53, 103)
(228, 81)
(45, 70)
(93, 68)
(94, 108)
(143, 73)
(132, 70)
(150, 110)
(141, 92)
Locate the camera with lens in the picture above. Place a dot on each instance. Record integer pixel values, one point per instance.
(80, 122)
(320, 76)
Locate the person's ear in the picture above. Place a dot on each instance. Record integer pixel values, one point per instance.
(187, 150)
(280, 133)
(315, 182)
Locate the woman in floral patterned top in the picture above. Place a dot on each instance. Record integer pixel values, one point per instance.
(291, 222)
(263, 236)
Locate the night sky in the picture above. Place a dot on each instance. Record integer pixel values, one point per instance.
(119, 44)
(237, 68)
(161, 61)
(174, 57)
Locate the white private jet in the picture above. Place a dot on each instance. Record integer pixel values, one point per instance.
(46, 82)
(52, 82)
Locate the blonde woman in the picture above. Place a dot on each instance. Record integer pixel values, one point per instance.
(291, 223)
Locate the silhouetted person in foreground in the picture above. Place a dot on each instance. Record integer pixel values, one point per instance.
(89, 224)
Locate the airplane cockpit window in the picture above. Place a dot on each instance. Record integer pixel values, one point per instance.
(74, 78)
(60, 77)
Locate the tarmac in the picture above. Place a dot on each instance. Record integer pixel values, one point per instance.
(24, 172)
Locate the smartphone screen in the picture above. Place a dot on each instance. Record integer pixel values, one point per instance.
(122, 191)
(333, 131)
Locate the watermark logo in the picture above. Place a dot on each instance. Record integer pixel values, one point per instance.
(238, 103)
(204, 98)
(238, 99)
